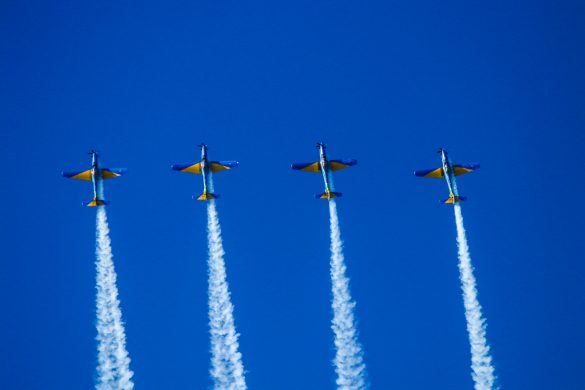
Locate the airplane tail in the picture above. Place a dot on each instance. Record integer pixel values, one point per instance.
(328, 195)
(454, 199)
(96, 202)
(206, 196)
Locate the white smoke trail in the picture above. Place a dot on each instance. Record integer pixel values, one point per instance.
(113, 361)
(227, 369)
(481, 361)
(349, 364)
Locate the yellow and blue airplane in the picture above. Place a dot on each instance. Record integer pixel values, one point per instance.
(325, 166)
(96, 175)
(448, 171)
(205, 168)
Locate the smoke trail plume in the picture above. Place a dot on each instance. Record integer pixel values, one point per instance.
(481, 361)
(113, 361)
(349, 364)
(227, 369)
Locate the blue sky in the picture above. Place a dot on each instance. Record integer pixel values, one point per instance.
(386, 83)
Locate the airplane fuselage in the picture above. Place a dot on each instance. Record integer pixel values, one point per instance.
(449, 174)
(324, 167)
(204, 167)
(96, 177)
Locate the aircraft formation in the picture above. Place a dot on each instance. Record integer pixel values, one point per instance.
(326, 167)
(349, 365)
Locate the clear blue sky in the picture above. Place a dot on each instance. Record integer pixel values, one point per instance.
(387, 83)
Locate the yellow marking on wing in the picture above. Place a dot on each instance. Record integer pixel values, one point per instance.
(315, 167)
(83, 175)
(461, 170)
(218, 167)
(109, 174)
(436, 174)
(195, 168)
(335, 166)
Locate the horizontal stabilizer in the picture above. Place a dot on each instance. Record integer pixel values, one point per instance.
(329, 195)
(96, 202)
(454, 199)
(206, 196)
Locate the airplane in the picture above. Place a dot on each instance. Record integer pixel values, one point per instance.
(451, 171)
(205, 168)
(325, 166)
(96, 175)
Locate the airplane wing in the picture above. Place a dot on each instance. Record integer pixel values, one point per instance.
(433, 173)
(460, 169)
(79, 175)
(340, 164)
(187, 167)
(307, 167)
(109, 173)
(217, 166)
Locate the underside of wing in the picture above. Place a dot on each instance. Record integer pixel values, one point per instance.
(109, 173)
(460, 169)
(217, 166)
(340, 164)
(187, 167)
(79, 175)
(432, 173)
(307, 167)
